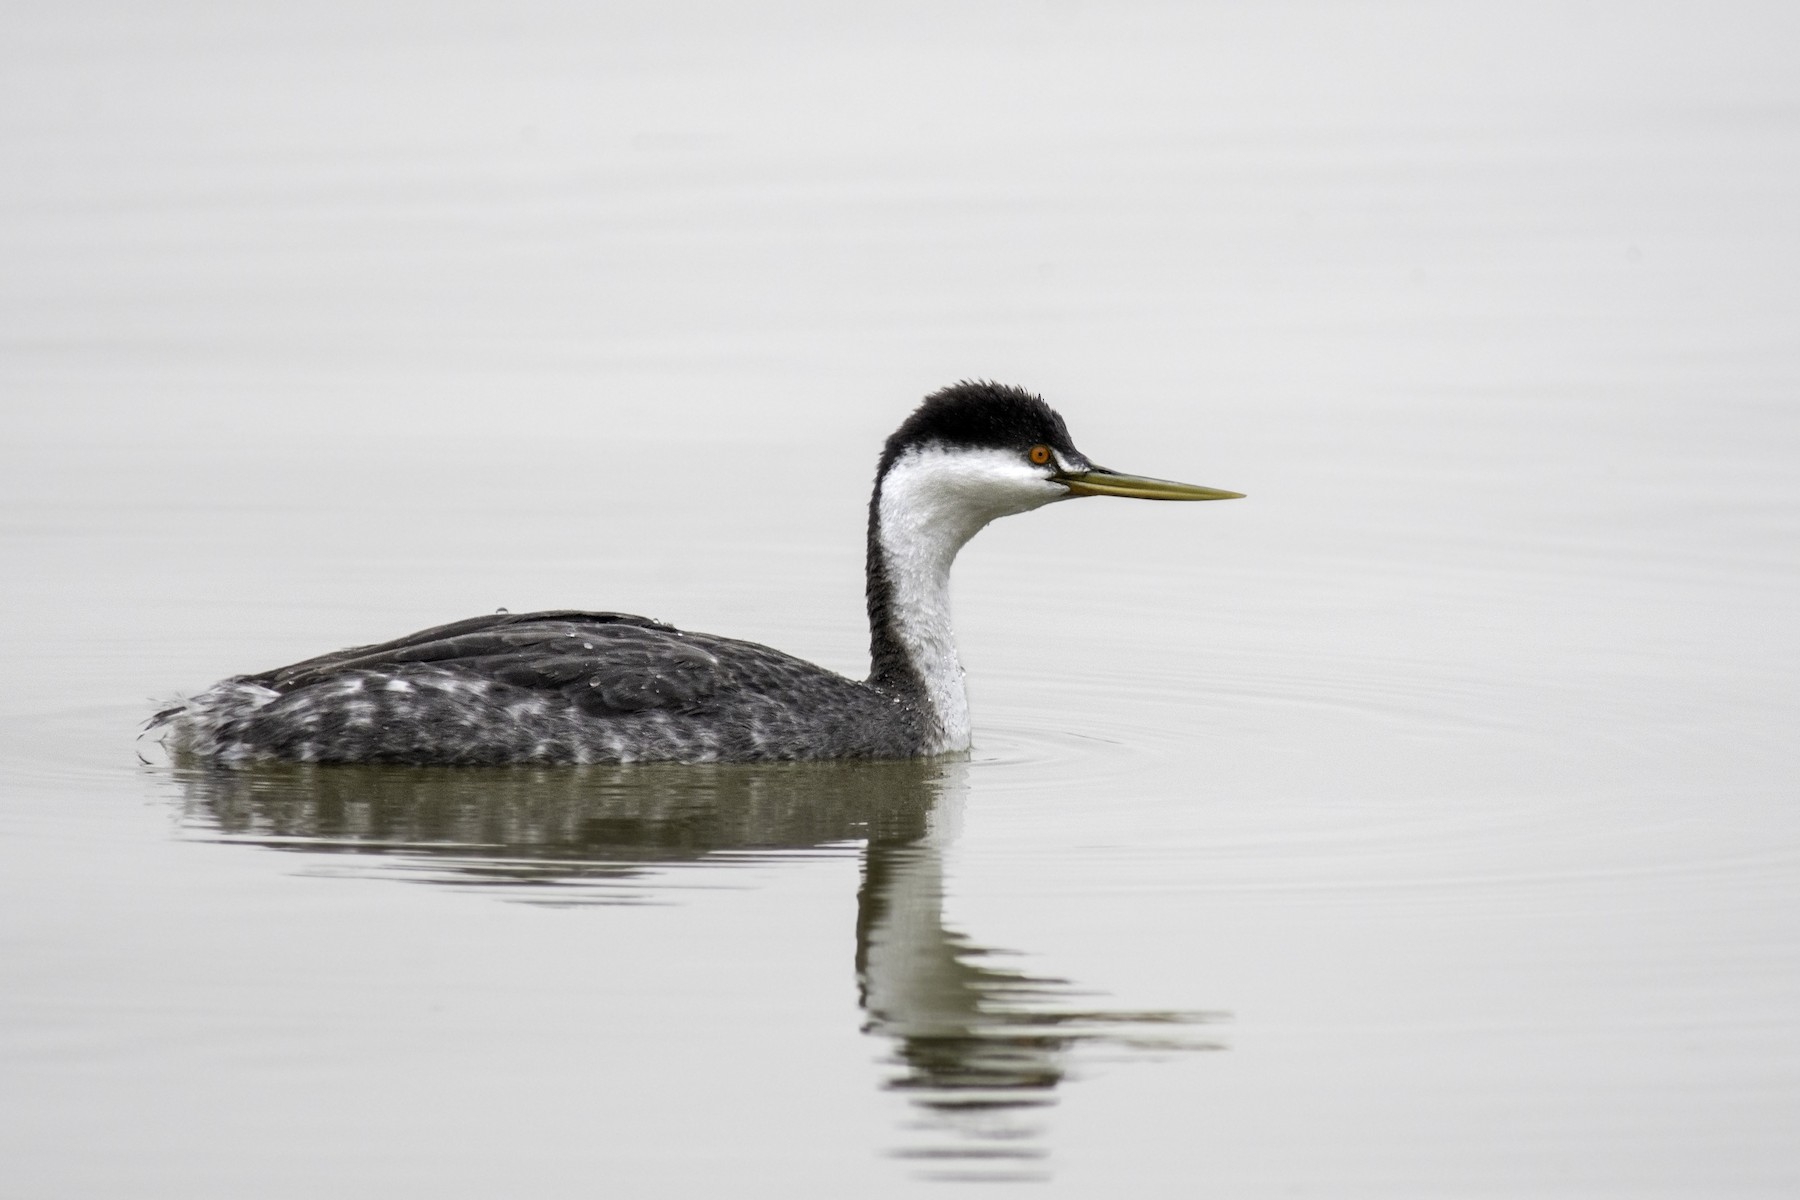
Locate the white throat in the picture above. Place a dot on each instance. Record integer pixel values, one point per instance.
(933, 500)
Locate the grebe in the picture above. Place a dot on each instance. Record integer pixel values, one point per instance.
(590, 687)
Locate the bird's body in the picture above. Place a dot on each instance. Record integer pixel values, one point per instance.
(553, 687)
(581, 687)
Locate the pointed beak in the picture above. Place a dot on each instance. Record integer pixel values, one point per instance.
(1098, 481)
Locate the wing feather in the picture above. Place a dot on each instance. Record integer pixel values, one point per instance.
(604, 663)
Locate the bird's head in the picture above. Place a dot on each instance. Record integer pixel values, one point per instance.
(976, 451)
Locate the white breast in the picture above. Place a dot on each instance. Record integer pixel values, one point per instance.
(933, 500)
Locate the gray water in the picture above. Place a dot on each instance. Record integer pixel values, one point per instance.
(1427, 824)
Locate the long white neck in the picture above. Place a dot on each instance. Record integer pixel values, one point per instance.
(932, 501)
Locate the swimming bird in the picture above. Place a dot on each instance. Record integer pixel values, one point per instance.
(590, 687)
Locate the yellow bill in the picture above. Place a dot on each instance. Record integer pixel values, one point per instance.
(1101, 482)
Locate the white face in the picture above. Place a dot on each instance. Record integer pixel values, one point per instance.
(933, 500)
(946, 495)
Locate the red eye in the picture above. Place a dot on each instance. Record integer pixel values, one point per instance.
(1039, 454)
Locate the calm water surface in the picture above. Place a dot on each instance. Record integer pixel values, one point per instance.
(1424, 825)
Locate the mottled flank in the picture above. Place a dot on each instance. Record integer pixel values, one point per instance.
(553, 687)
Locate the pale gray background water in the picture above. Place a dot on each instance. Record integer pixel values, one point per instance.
(1445, 789)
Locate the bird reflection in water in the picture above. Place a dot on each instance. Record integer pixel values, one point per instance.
(980, 1048)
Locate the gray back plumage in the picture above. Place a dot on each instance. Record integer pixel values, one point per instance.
(564, 686)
